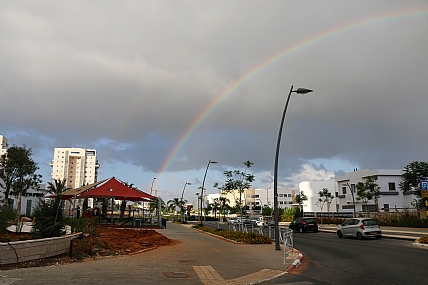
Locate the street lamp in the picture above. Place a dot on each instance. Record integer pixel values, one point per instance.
(202, 190)
(182, 193)
(151, 188)
(267, 195)
(275, 174)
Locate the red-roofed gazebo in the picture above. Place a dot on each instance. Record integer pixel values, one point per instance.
(118, 190)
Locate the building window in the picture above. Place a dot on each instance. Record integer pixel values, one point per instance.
(386, 207)
(343, 190)
(391, 186)
(289, 195)
(256, 196)
(281, 195)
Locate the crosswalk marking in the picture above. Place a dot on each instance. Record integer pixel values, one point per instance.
(209, 276)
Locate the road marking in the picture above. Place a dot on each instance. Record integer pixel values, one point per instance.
(209, 276)
(7, 281)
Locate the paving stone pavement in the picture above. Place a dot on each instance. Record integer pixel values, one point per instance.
(198, 259)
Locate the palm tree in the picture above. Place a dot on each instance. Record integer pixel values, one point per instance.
(174, 203)
(223, 204)
(215, 205)
(57, 188)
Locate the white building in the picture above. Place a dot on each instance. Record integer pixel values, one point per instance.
(391, 197)
(311, 190)
(256, 199)
(3, 145)
(264, 196)
(77, 165)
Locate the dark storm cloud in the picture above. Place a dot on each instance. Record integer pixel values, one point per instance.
(129, 78)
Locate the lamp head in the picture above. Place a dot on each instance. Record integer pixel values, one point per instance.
(303, 91)
(213, 161)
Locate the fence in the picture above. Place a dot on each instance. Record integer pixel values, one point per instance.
(285, 235)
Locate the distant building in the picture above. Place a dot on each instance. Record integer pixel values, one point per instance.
(3, 145)
(391, 197)
(343, 188)
(255, 199)
(311, 190)
(77, 165)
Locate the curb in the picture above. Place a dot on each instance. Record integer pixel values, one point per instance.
(295, 263)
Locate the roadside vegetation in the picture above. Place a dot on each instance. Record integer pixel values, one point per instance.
(247, 238)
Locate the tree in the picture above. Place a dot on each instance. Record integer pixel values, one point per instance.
(18, 171)
(237, 180)
(215, 205)
(412, 175)
(49, 222)
(7, 176)
(224, 205)
(174, 203)
(57, 188)
(368, 190)
(267, 211)
(300, 199)
(325, 198)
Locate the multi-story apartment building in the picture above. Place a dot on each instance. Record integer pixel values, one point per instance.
(77, 165)
(264, 196)
(3, 145)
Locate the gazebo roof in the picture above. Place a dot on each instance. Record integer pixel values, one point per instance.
(118, 190)
(68, 194)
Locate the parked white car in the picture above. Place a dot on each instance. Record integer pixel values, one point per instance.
(360, 228)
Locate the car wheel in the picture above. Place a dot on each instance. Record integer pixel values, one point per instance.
(315, 231)
(378, 237)
(301, 230)
(339, 234)
(359, 236)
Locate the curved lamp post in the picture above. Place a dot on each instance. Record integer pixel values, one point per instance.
(202, 191)
(182, 193)
(275, 174)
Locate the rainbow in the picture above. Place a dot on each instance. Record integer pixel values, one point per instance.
(281, 54)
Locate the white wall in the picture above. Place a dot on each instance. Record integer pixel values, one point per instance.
(311, 189)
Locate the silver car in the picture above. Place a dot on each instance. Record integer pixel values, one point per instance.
(360, 228)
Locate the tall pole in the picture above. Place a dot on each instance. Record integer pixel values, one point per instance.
(202, 191)
(182, 193)
(275, 173)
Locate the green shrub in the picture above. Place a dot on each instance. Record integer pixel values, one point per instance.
(5, 217)
(49, 221)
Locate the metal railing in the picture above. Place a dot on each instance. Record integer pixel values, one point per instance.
(285, 235)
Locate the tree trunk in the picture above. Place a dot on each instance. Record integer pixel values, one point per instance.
(18, 208)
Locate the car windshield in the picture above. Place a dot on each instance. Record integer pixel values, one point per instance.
(370, 222)
(310, 221)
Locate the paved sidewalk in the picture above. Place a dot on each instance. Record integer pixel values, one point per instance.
(198, 259)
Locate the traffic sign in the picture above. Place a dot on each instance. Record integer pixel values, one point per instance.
(424, 184)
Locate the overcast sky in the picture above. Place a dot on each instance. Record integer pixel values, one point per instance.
(159, 88)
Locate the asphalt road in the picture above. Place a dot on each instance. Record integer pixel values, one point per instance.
(330, 260)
